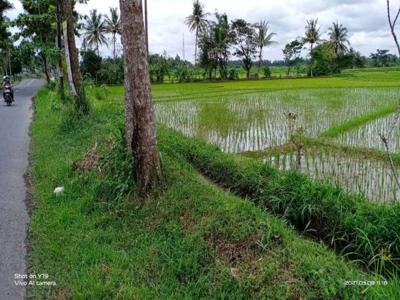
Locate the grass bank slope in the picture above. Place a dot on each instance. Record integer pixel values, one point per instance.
(189, 240)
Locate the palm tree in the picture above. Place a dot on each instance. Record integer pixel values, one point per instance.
(312, 36)
(263, 39)
(113, 26)
(95, 30)
(338, 38)
(197, 22)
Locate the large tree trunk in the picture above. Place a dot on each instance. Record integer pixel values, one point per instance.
(59, 46)
(392, 24)
(74, 73)
(146, 26)
(140, 118)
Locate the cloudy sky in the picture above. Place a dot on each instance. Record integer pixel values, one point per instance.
(365, 19)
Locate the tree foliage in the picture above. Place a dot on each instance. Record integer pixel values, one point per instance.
(292, 53)
(197, 21)
(245, 44)
(338, 39)
(264, 38)
(94, 30)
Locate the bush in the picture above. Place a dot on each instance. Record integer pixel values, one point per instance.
(101, 93)
(233, 74)
(323, 61)
(267, 72)
(364, 231)
(183, 73)
(111, 72)
(91, 64)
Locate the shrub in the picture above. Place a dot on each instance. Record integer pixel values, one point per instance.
(267, 72)
(233, 74)
(91, 64)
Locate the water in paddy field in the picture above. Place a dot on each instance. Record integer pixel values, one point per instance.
(368, 135)
(372, 178)
(258, 121)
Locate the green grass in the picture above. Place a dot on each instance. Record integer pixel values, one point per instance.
(98, 241)
(359, 229)
(203, 91)
(339, 129)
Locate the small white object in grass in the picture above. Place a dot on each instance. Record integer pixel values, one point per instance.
(59, 191)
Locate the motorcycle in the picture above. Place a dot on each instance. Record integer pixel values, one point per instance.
(8, 95)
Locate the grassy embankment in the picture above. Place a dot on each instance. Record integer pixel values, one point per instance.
(188, 240)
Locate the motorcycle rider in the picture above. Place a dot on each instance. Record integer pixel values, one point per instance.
(8, 85)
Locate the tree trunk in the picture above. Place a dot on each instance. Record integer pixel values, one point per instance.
(195, 47)
(146, 26)
(259, 61)
(75, 75)
(114, 46)
(46, 68)
(311, 61)
(59, 46)
(392, 25)
(140, 118)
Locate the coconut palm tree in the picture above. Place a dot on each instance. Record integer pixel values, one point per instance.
(95, 30)
(338, 38)
(197, 21)
(113, 26)
(312, 36)
(263, 39)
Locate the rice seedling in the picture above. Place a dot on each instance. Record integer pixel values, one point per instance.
(356, 174)
(257, 121)
(368, 135)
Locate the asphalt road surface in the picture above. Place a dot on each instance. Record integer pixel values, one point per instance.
(14, 148)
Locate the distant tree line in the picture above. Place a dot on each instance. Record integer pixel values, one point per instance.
(224, 49)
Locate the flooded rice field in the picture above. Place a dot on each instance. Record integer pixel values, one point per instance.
(255, 122)
(368, 135)
(372, 178)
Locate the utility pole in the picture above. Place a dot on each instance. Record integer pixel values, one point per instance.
(59, 46)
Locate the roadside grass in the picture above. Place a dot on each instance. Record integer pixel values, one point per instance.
(189, 240)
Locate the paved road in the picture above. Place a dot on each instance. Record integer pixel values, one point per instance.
(14, 148)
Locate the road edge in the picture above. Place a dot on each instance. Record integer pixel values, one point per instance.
(29, 198)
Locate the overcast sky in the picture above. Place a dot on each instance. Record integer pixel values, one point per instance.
(365, 19)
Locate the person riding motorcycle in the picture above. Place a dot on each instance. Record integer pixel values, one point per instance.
(8, 85)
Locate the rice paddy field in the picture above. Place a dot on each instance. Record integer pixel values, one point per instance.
(253, 117)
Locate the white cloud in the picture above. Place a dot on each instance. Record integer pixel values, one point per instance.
(365, 19)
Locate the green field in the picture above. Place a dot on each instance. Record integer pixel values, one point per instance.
(222, 225)
(351, 109)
